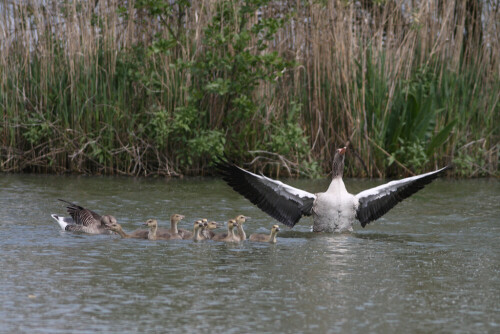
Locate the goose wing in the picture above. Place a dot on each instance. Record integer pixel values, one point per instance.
(282, 202)
(375, 202)
(82, 216)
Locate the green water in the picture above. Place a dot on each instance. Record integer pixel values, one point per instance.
(432, 264)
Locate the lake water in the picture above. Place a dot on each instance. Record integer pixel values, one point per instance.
(432, 264)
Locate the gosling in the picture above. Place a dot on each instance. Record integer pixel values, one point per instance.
(239, 224)
(117, 228)
(198, 227)
(207, 229)
(271, 238)
(229, 236)
(173, 232)
(153, 229)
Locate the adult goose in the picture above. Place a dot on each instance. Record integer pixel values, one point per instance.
(84, 220)
(334, 210)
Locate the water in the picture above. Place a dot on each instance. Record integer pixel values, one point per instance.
(432, 264)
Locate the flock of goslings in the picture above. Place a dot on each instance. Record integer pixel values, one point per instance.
(87, 221)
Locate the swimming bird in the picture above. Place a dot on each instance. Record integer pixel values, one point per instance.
(239, 225)
(334, 210)
(198, 227)
(117, 228)
(271, 238)
(83, 220)
(174, 232)
(206, 232)
(153, 234)
(229, 236)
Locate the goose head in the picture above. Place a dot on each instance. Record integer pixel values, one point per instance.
(275, 229)
(107, 220)
(241, 219)
(231, 224)
(211, 225)
(113, 226)
(175, 218)
(338, 162)
(198, 225)
(151, 223)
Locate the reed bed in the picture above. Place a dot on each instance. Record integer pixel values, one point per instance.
(161, 88)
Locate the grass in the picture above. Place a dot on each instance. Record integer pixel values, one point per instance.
(160, 88)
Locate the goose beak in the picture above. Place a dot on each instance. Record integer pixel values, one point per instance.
(342, 150)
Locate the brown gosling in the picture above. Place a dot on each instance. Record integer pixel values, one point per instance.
(208, 227)
(271, 238)
(198, 227)
(229, 236)
(239, 224)
(117, 228)
(153, 229)
(173, 232)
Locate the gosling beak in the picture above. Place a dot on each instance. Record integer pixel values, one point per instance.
(277, 229)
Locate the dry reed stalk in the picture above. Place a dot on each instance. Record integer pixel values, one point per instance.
(333, 43)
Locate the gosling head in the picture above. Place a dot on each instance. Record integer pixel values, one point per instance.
(212, 225)
(151, 223)
(198, 224)
(231, 224)
(241, 219)
(275, 229)
(113, 226)
(176, 217)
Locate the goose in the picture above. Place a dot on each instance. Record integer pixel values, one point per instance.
(153, 234)
(239, 224)
(206, 232)
(229, 236)
(271, 238)
(334, 210)
(198, 227)
(83, 220)
(117, 228)
(174, 232)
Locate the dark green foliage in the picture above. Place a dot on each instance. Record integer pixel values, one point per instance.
(190, 81)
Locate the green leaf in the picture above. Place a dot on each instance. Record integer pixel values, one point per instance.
(440, 138)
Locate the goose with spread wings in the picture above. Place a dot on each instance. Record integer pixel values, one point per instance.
(84, 220)
(334, 210)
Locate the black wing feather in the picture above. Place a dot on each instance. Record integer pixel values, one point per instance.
(375, 202)
(282, 202)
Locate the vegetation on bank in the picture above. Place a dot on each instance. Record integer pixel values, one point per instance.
(150, 87)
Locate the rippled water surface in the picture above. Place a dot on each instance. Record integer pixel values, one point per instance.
(432, 264)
